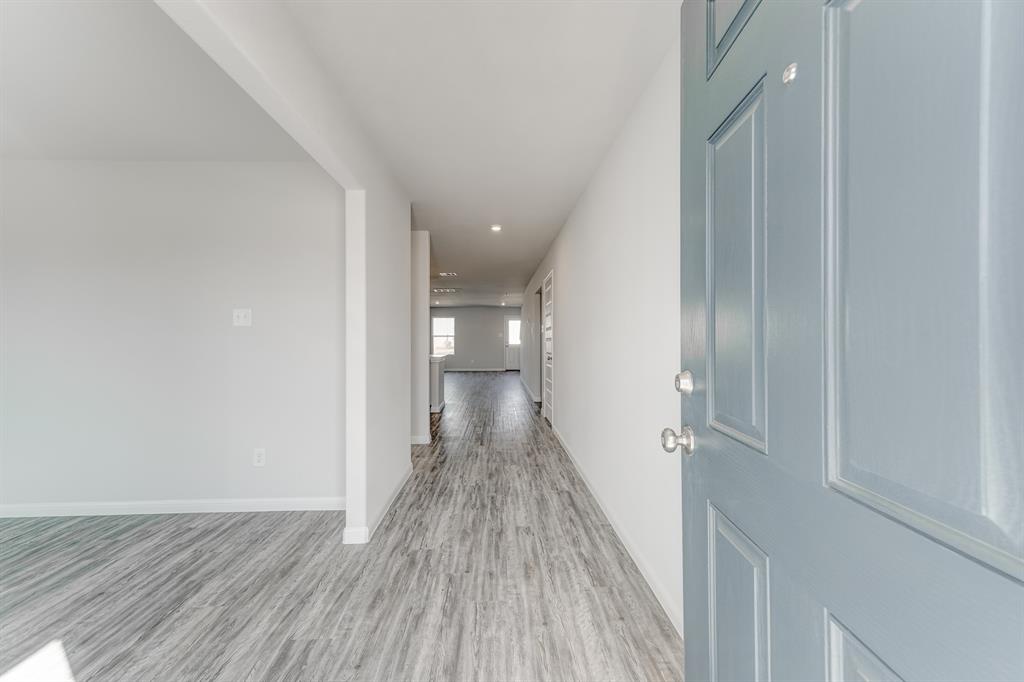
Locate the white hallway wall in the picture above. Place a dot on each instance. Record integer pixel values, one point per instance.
(124, 385)
(616, 321)
(479, 336)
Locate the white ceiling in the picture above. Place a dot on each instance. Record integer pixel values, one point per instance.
(118, 80)
(490, 112)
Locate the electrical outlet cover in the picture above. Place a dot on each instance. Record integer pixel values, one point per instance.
(241, 317)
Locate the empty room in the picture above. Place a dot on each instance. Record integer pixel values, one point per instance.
(511, 340)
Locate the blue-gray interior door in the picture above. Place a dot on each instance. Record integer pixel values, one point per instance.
(853, 312)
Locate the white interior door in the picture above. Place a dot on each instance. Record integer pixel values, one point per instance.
(513, 327)
(547, 301)
(852, 315)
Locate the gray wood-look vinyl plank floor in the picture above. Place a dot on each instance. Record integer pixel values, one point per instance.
(494, 563)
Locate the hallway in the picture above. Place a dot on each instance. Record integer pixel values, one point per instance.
(495, 563)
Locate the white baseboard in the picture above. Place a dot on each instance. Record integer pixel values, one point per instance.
(526, 388)
(391, 499)
(477, 369)
(673, 611)
(359, 535)
(421, 440)
(257, 504)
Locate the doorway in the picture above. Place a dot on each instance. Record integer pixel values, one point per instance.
(513, 327)
(547, 385)
(537, 342)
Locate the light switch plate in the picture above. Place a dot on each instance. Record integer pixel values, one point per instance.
(241, 317)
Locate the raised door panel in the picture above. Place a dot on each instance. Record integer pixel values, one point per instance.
(737, 602)
(849, 660)
(923, 329)
(736, 223)
(724, 11)
(725, 21)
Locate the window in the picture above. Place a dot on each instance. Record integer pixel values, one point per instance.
(513, 332)
(444, 335)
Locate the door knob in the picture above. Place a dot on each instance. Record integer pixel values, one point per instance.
(684, 382)
(685, 439)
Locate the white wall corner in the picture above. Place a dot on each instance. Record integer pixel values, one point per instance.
(391, 500)
(526, 386)
(420, 386)
(358, 535)
(355, 360)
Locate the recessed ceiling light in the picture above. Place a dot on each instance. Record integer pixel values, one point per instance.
(495, 228)
(448, 274)
(437, 303)
(503, 303)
